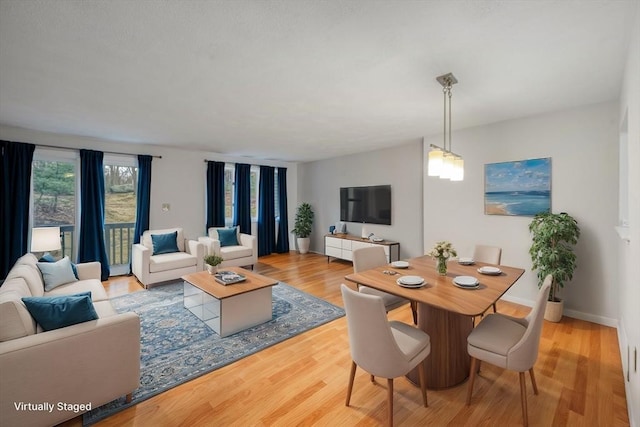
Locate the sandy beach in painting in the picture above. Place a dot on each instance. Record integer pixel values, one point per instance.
(495, 209)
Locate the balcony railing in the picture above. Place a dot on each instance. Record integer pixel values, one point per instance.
(118, 239)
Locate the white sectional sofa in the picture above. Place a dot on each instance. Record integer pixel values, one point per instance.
(49, 377)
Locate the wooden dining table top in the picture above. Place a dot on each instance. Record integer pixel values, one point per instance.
(439, 291)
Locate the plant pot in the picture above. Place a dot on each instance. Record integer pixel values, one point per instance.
(303, 244)
(212, 269)
(553, 311)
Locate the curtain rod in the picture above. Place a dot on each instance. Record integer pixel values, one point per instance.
(106, 152)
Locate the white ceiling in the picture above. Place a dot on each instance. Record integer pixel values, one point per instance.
(300, 80)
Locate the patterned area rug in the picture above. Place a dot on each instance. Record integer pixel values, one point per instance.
(178, 347)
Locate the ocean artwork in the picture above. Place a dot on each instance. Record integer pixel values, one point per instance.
(517, 188)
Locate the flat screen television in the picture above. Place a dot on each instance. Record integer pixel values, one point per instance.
(371, 204)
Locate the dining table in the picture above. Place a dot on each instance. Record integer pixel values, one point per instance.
(446, 312)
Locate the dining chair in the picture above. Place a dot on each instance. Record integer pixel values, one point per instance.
(511, 343)
(387, 349)
(372, 257)
(490, 255)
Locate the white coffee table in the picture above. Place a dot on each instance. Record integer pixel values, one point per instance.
(231, 308)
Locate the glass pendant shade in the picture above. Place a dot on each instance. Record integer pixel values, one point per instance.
(434, 167)
(447, 166)
(458, 169)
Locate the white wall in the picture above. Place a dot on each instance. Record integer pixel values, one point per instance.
(583, 146)
(178, 178)
(629, 252)
(401, 167)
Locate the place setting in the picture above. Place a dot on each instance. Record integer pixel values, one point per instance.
(400, 264)
(466, 261)
(490, 271)
(466, 282)
(411, 281)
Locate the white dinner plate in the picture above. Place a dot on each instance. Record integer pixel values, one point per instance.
(400, 264)
(466, 261)
(405, 285)
(465, 281)
(494, 271)
(411, 280)
(476, 286)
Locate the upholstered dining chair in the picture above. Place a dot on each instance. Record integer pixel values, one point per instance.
(372, 257)
(490, 255)
(511, 343)
(383, 348)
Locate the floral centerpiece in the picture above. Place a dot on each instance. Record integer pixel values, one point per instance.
(442, 251)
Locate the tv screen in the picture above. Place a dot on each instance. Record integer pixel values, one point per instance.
(371, 205)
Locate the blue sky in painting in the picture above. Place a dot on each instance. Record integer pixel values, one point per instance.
(524, 175)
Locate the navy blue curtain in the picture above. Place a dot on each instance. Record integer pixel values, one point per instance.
(91, 245)
(15, 170)
(266, 212)
(143, 203)
(215, 195)
(282, 245)
(242, 211)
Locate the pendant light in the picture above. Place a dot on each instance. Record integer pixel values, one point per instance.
(442, 162)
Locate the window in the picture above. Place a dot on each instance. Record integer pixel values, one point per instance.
(120, 183)
(229, 189)
(53, 196)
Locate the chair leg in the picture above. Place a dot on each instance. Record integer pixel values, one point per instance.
(390, 399)
(129, 397)
(523, 397)
(373, 378)
(472, 378)
(495, 310)
(533, 382)
(423, 384)
(351, 377)
(414, 311)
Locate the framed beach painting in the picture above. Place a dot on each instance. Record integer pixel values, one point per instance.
(520, 188)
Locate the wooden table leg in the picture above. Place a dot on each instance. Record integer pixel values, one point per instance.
(448, 364)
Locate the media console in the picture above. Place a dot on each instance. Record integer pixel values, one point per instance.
(342, 246)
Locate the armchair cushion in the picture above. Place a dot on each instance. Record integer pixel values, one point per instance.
(56, 273)
(147, 242)
(165, 243)
(61, 311)
(171, 261)
(228, 236)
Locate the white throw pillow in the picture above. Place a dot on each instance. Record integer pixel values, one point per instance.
(57, 273)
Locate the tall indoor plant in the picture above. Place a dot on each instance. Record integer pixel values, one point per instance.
(302, 228)
(553, 239)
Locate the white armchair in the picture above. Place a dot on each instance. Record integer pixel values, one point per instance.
(244, 253)
(152, 268)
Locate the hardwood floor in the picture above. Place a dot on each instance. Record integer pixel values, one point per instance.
(303, 381)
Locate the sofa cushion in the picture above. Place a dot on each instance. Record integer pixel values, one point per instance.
(147, 242)
(235, 252)
(164, 243)
(15, 320)
(50, 258)
(172, 261)
(104, 309)
(60, 311)
(56, 273)
(228, 236)
(90, 285)
(31, 276)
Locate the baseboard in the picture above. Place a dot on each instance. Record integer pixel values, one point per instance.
(600, 320)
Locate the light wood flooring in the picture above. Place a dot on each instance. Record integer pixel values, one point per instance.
(303, 380)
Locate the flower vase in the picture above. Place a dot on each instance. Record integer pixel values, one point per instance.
(212, 269)
(441, 266)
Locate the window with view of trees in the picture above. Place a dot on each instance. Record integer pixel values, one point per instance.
(229, 183)
(54, 199)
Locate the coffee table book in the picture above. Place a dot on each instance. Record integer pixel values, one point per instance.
(228, 277)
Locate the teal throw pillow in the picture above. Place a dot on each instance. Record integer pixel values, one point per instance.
(228, 236)
(56, 273)
(61, 311)
(165, 243)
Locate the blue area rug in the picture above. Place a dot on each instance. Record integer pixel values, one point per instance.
(178, 347)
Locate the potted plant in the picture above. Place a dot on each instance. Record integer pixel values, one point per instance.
(302, 228)
(212, 261)
(553, 239)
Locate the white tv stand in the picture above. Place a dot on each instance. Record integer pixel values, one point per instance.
(342, 246)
